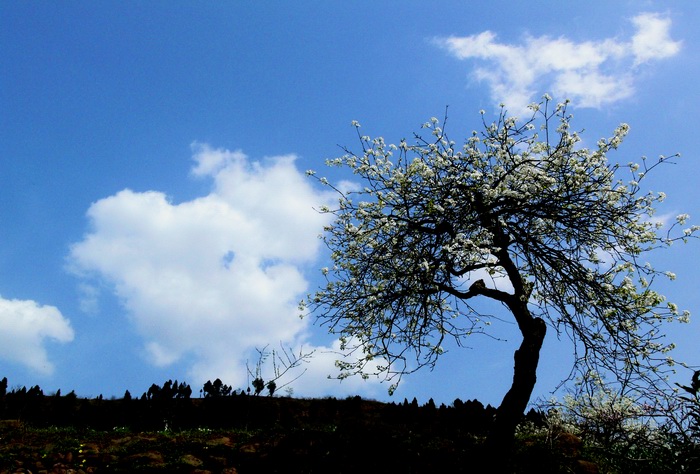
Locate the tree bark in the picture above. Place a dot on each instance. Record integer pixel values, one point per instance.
(502, 436)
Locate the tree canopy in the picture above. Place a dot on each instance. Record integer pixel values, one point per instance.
(521, 213)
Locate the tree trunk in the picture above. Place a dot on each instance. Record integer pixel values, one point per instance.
(502, 436)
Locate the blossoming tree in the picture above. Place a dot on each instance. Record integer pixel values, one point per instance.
(521, 214)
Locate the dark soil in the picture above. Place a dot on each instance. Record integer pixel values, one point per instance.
(245, 434)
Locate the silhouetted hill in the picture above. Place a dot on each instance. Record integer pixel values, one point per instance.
(241, 433)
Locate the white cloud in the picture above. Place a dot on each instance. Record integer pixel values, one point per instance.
(210, 161)
(24, 328)
(316, 379)
(591, 73)
(89, 298)
(652, 40)
(209, 280)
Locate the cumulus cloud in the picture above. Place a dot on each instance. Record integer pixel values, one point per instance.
(24, 328)
(323, 365)
(208, 281)
(652, 39)
(591, 73)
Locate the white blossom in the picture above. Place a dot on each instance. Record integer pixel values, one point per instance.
(571, 227)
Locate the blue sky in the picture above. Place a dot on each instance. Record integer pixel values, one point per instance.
(155, 219)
